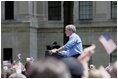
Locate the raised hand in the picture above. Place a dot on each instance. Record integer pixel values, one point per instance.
(88, 52)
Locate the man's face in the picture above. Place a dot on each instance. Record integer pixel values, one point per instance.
(67, 32)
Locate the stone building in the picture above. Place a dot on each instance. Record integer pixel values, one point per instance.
(27, 27)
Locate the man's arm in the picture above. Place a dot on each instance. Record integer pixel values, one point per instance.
(60, 49)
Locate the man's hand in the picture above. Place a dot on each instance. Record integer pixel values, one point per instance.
(53, 51)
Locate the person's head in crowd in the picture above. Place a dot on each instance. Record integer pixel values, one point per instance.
(7, 71)
(99, 73)
(17, 75)
(94, 74)
(69, 29)
(104, 72)
(113, 71)
(49, 68)
(27, 66)
(75, 67)
(3, 74)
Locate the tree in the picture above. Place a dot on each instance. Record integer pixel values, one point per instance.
(68, 16)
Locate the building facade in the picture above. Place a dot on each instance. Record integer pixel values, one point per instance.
(27, 27)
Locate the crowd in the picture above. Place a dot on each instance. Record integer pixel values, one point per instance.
(68, 67)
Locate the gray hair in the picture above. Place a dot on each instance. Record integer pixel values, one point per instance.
(71, 27)
(47, 68)
(17, 75)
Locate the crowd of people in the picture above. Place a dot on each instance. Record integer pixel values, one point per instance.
(68, 67)
(68, 61)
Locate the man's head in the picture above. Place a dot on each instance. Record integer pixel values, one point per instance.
(69, 29)
(17, 75)
(48, 68)
(75, 67)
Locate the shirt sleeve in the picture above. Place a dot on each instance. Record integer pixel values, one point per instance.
(70, 43)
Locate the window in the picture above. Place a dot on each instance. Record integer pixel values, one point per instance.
(9, 10)
(54, 10)
(113, 56)
(113, 9)
(85, 10)
(7, 54)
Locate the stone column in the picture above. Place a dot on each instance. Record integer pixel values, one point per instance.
(33, 30)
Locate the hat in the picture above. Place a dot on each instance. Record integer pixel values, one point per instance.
(75, 67)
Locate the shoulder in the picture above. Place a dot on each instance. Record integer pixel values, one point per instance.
(75, 35)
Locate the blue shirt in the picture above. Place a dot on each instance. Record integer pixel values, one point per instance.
(73, 46)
